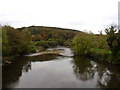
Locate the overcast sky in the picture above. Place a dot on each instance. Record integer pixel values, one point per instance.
(82, 15)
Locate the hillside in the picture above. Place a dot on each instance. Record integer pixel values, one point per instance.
(42, 33)
(25, 40)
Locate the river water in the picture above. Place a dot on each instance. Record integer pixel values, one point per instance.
(67, 71)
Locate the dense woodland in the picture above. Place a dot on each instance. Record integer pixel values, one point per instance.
(25, 40)
(21, 41)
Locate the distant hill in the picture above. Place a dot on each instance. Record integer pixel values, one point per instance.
(60, 35)
(53, 28)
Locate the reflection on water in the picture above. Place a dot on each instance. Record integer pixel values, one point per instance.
(50, 71)
(106, 76)
(13, 72)
(83, 68)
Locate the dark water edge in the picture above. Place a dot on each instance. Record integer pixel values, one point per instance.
(52, 71)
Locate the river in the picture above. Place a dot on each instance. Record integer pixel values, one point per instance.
(67, 71)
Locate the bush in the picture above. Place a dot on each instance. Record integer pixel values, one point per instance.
(32, 47)
(83, 43)
(42, 43)
(68, 42)
(101, 43)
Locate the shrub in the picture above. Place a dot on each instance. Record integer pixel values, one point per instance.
(83, 43)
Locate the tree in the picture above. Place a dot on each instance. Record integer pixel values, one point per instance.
(5, 41)
(16, 42)
(113, 40)
(82, 44)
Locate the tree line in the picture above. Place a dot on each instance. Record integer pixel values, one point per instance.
(21, 41)
(101, 47)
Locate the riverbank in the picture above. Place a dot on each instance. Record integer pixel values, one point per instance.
(56, 52)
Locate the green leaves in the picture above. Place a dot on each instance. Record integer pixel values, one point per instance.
(113, 40)
(16, 42)
(83, 43)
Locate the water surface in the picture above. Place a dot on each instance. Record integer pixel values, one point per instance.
(67, 71)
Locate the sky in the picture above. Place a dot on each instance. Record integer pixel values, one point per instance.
(90, 15)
